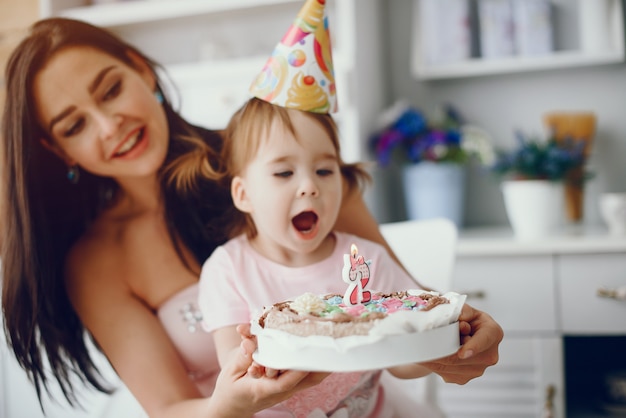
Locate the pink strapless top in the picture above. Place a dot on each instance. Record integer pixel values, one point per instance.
(182, 321)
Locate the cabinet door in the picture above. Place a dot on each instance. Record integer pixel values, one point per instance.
(582, 310)
(528, 373)
(517, 291)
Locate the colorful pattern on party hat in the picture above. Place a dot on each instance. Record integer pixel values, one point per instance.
(299, 74)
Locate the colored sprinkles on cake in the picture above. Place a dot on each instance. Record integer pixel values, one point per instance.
(311, 314)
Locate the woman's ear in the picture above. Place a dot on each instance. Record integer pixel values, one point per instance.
(143, 68)
(56, 150)
(239, 195)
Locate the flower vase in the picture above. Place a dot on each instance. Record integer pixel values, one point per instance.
(434, 190)
(581, 126)
(534, 207)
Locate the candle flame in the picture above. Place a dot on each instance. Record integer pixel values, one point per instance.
(353, 250)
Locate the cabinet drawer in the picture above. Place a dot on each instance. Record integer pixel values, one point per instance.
(515, 387)
(517, 291)
(579, 277)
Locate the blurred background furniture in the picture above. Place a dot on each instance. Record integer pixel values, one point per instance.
(427, 249)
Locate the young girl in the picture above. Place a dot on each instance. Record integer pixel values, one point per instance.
(286, 174)
(282, 156)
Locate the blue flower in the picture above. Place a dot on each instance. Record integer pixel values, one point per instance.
(541, 159)
(419, 139)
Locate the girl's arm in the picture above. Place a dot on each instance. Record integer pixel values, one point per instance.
(227, 340)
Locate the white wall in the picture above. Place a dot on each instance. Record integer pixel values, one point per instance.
(506, 102)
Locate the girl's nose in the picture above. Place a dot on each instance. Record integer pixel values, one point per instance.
(308, 187)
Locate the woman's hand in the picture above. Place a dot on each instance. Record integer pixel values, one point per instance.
(480, 337)
(244, 387)
(248, 344)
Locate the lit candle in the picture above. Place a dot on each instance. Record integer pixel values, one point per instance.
(356, 273)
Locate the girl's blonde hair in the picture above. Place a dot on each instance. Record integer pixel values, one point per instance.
(243, 137)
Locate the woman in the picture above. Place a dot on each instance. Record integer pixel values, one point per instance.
(110, 207)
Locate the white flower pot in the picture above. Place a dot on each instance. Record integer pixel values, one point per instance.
(434, 190)
(534, 207)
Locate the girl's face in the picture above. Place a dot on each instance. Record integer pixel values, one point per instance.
(292, 189)
(101, 113)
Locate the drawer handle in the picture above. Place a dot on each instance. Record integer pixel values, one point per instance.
(475, 294)
(619, 293)
(548, 407)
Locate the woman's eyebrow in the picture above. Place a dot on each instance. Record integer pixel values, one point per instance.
(96, 81)
(92, 87)
(60, 117)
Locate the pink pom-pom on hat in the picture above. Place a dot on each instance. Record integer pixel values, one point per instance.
(299, 74)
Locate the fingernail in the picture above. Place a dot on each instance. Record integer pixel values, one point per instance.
(466, 354)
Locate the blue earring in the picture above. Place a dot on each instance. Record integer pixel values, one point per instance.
(73, 174)
(159, 96)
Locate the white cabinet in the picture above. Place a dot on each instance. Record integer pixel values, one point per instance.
(213, 49)
(543, 293)
(582, 309)
(570, 50)
(518, 291)
(528, 371)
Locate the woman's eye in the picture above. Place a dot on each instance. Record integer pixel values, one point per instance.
(283, 174)
(113, 91)
(75, 128)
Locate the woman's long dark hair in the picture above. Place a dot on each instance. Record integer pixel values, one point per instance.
(43, 214)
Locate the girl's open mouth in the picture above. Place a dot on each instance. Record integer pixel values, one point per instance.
(305, 222)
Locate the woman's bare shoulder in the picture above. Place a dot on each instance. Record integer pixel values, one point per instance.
(99, 255)
(133, 255)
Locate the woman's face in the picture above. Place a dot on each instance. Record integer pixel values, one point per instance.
(101, 113)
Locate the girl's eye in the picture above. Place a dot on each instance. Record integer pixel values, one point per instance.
(284, 174)
(324, 172)
(75, 128)
(113, 91)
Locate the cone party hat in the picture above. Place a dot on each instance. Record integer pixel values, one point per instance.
(299, 74)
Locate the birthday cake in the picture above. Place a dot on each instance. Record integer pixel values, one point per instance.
(322, 333)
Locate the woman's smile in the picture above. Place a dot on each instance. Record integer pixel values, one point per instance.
(132, 147)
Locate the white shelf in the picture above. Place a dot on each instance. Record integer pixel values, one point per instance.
(146, 11)
(611, 53)
(478, 67)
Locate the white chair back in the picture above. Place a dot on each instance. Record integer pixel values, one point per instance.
(426, 248)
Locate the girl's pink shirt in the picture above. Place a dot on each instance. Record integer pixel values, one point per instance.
(237, 282)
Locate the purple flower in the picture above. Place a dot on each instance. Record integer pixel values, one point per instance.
(412, 133)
